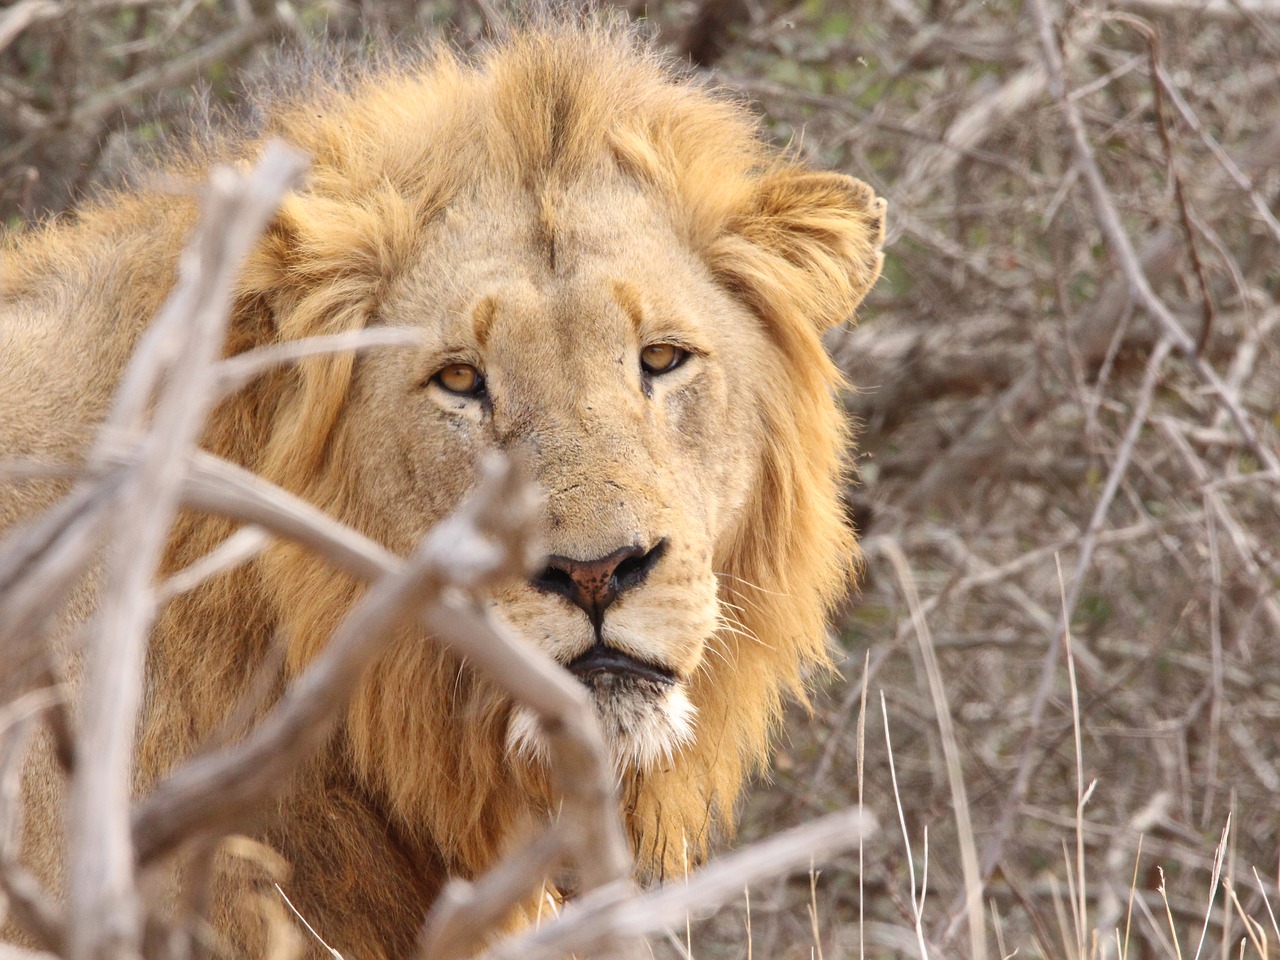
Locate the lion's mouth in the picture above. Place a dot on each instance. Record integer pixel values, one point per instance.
(644, 710)
(608, 666)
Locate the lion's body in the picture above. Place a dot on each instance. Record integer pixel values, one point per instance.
(542, 215)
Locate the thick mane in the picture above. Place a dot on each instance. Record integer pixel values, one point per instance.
(379, 178)
(546, 110)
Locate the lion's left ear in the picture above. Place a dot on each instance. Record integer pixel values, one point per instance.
(807, 242)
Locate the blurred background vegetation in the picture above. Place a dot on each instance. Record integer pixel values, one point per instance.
(1016, 419)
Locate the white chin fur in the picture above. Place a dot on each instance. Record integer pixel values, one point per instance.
(642, 733)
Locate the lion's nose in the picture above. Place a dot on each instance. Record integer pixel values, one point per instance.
(594, 584)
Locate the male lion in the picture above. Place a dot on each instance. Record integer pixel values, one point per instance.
(620, 284)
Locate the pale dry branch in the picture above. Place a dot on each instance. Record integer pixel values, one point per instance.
(106, 916)
(466, 914)
(242, 776)
(579, 761)
(9, 952)
(613, 914)
(25, 899)
(1229, 10)
(15, 725)
(237, 550)
(236, 372)
(581, 772)
(486, 541)
(36, 912)
(21, 15)
(39, 564)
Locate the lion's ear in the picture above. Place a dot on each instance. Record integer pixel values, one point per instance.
(316, 271)
(808, 242)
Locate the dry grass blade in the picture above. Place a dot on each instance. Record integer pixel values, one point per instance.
(916, 903)
(1266, 900)
(971, 906)
(1168, 912)
(1219, 856)
(1128, 913)
(1080, 906)
(861, 736)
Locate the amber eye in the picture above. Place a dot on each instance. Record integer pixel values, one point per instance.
(462, 379)
(662, 357)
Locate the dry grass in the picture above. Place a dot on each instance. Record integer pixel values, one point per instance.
(1018, 412)
(1017, 409)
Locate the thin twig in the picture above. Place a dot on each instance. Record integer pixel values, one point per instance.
(1048, 667)
(1179, 195)
(235, 372)
(1121, 247)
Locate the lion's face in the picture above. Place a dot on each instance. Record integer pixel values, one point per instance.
(623, 287)
(601, 355)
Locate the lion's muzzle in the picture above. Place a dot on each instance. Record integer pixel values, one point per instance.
(593, 585)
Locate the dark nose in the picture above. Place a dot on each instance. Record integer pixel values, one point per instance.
(594, 584)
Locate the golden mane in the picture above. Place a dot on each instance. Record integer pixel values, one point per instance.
(539, 112)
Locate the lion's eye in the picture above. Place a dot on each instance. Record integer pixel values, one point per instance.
(662, 357)
(462, 379)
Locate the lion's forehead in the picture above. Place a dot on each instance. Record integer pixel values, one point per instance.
(535, 239)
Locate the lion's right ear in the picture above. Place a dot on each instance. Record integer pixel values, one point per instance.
(318, 270)
(806, 242)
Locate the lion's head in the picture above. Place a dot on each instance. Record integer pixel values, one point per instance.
(621, 285)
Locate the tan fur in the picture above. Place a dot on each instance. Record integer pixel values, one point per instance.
(543, 213)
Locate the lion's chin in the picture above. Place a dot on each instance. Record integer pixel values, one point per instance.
(644, 725)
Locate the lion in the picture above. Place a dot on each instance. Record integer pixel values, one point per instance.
(618, 282)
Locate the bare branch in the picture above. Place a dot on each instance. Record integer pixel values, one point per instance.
(39, 563)
(1048, 666)
(1230, 10)
(22, 15)
(1122, 248)
(9, 952)
(106, 921)
(238, 549)
(596, 922)
(466, 914)
(487, 540)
